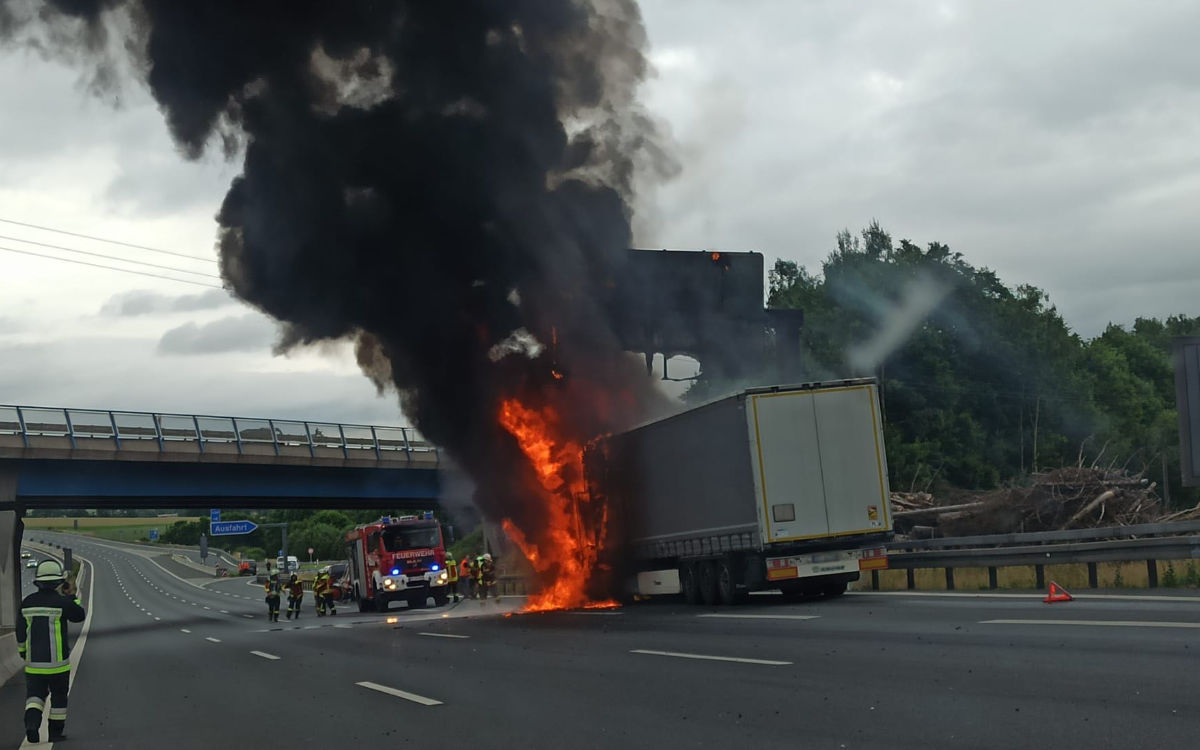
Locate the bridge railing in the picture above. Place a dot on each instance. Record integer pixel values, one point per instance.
(91, 429)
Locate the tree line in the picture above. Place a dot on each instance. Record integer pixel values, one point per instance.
(983, 383)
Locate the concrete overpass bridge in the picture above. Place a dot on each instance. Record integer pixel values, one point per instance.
(87, 458)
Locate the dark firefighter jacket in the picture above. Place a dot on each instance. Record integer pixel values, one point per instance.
(42, 631)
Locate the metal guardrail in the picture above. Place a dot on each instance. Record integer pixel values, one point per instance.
(131, 430)
(1149, 542)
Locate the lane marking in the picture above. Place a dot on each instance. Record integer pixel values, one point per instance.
(211, 639)
(265, 655)
(761, 617)
(988, 595)
(596, 612)
(250, 616)
(444, 635)
(679, 655)
(399, 693)
(224, 611)
(1100, 623)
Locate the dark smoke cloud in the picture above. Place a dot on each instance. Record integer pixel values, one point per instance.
(428, 178)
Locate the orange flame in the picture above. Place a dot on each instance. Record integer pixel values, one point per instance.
(567, 553)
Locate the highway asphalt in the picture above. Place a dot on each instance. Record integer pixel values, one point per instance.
(169, 663)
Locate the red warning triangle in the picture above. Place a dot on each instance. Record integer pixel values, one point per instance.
(1057, 594)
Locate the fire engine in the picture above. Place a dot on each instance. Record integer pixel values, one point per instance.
(397, 558)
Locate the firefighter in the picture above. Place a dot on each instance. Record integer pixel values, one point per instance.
(466, 572)
(452, 581)
(487, 577)
(42, 642)
(295, 595)
(320, 584)
(272, 588)
(323, 591)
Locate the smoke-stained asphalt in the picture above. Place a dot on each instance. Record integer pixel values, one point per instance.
(864, 671)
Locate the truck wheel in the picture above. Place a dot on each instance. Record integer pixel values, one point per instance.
(727, 590)
(689, 583)
(707, 571)
(364, 604)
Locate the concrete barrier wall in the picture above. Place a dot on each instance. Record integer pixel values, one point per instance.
(10, 661)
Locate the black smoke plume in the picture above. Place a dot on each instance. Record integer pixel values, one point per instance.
(446, 183)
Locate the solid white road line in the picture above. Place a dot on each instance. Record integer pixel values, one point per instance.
(761, 617)
(677, 654)
(1100, 623)
(265, 655)
(211, 639)
(399, 693)
(444, 635)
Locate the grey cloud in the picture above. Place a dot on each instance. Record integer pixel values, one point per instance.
(245, 333)
(145, 302)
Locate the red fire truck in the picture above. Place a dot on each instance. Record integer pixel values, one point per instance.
(397, 558)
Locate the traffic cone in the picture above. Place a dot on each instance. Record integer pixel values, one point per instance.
(1057, 594)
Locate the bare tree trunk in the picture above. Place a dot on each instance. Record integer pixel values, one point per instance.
(1037, 413)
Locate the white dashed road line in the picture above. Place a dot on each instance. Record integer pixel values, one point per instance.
(444, 635)
(265, 655)
(762, 617)
(399, 693)
(708, 657)
(184, 630)
(210, 639)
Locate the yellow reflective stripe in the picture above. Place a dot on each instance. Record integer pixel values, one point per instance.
(58, 713)
(48, 670)
(37, 703)
(58, 640)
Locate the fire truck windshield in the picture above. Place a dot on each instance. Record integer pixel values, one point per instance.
(397, 539)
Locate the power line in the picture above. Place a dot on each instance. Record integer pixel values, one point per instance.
(103, 239)
(110, 257)
(110, 268)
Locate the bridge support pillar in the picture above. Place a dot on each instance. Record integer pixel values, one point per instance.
(11, 530)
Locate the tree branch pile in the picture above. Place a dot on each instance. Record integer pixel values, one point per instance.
(1067, 498)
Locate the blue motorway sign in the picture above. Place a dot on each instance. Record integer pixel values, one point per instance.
(228, 528)
(154, 535)
(214, 515)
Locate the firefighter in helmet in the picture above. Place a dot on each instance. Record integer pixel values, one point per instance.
(452, 580)
(295, 592)
(42, 643)
(273, 588)
(487, 576)
(323, 592)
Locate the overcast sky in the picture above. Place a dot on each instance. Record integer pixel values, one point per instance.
(1054, 142)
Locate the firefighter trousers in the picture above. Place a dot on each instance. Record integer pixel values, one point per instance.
(293, 606)
(272, 607)
(37, 687)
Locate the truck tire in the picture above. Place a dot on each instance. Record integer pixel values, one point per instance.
(364, 604)
(727, 580)
(689, 583)
(707, 575)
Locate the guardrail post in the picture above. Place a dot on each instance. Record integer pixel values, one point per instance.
(949, 578)
(910, 579)
(24, 441)
(70, 428)
(274, 436)
(375, 440)
(342, 435)
(992, 583)
(199, 435)
(1092, 582)
(874, 580)
(407, 445)
(312, 452)
(112, 418)
(237, 433)
(1152, 573)
(1039, 574)
(162, 444)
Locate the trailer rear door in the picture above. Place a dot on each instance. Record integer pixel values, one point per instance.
(820, 464)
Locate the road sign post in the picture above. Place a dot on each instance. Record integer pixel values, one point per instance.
(310, 554)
